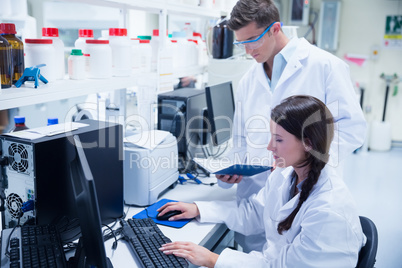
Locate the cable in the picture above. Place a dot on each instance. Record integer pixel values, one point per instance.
(114, 246)
(9, 240)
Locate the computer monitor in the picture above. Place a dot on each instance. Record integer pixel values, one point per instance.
(91, 249)
(220, 105)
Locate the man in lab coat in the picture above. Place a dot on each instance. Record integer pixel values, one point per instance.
(283, 68)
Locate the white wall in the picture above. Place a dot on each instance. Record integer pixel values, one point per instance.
(363, 26)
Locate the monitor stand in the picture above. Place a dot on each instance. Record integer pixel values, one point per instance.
(79, 259)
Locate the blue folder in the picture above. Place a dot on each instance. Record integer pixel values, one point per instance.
(150, 212)
(241, 169)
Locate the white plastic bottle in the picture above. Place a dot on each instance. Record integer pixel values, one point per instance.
(100, 58)
(135, 55)
(182, 48)
(53, 33)
(76, 65)
(146, 56)
(121, 52)
(83, 35)
(192, 52)
(202, 50)
(41, 51)
(155, 43)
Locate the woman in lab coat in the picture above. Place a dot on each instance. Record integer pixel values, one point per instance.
(307, 212)
(283, 68)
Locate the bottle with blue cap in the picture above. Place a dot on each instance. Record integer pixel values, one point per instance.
(19, 124)
(52, 121)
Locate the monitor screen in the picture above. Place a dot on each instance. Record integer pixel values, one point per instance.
(91, 249)
(220, 103)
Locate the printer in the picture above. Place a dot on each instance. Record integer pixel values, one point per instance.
(150, 166)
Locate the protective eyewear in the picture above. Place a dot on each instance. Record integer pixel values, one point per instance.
(256, 43)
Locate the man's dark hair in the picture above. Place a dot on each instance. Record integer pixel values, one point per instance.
(263, 12)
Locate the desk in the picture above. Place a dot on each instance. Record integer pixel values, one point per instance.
(204, 234)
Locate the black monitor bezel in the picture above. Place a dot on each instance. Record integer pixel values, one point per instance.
(211, 115)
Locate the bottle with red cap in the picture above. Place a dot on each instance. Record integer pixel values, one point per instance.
(121, 52)
(53, 33)
(6, 64)
(8, 32)
(41, 51)
(83, 35)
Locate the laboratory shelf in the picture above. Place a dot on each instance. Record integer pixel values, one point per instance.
(60, 89)
(155, 6)
(188, 71)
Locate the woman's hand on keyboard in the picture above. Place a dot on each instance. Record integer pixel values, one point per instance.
(194, 253)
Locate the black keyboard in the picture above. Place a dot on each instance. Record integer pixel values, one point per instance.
(32, 246)
(145, 238)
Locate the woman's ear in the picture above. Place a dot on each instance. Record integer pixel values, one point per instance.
(307, 145)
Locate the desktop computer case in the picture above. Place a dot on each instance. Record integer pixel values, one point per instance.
(39, 170)
(188, 105)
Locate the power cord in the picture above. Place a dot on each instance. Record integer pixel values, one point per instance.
(114, 246)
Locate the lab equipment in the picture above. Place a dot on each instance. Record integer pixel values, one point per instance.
(121, 52)
(19, 124)
(23, 243)
(329, 25)
(53, 34)
(146, 56)
(167, 215)
(34, 163)
(145, 238)
(41, 52)
(100, 58)
(135, 55)
(220, 103)
(7, 31)
(52, 121)
(32, 74)
(76, 65)
(6, 67)
(149, 171)
(181, 113)
(83, 35)
(299, 12)
(222, 40)
(90, 251)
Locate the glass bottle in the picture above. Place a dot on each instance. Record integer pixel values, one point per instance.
(5, 63)
(19, 124)
(17, 49)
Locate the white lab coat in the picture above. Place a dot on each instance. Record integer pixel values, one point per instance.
(310, 71)
(326, 231)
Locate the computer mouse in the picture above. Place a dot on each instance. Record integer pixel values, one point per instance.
(167, 215)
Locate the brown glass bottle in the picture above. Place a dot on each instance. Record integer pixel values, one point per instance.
(6, 69)
(7, 30)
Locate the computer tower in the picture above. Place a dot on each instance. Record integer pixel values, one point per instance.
(39, 170)
(181, 113)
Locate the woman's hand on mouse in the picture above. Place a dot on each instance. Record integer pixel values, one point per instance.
(188, 211)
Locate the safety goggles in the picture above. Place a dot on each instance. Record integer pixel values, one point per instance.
(256, 43)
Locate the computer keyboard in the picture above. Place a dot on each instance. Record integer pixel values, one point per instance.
(145, 238)
(32, 246)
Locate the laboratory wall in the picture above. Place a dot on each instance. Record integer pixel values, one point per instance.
(361, 31)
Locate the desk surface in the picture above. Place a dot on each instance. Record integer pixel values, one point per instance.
(193, 231)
